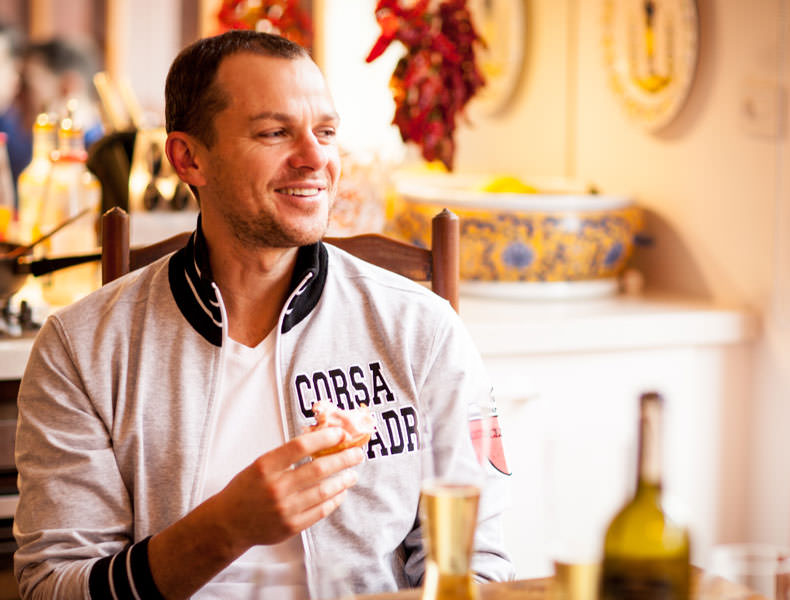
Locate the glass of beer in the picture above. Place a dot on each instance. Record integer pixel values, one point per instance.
(454, 456)
(587, 479)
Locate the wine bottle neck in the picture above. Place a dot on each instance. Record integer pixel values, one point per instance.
(649, 468)
(44, 137)
(42, 144)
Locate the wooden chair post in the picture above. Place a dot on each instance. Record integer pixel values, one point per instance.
(445, 239)
(115, 244)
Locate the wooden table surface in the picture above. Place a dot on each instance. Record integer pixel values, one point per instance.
(540, 589)
(525, 589)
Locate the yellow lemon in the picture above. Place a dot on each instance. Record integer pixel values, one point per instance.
(507, 184)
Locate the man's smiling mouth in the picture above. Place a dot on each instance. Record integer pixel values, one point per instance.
(311, 191)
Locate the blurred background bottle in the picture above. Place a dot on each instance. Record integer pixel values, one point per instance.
(646, 554)
(71, 189)
(32, 183)
(7, 212)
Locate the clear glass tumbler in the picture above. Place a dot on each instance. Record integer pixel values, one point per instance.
(454, 471)
(746, 571)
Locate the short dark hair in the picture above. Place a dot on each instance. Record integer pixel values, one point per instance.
(191, 95)
(16, 41)
(60, 55)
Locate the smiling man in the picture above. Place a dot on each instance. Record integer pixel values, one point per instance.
(162, 445)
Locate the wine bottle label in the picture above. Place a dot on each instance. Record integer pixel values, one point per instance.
(629, 588)
(667, 579)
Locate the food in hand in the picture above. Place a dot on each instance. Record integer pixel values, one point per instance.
(357, 425)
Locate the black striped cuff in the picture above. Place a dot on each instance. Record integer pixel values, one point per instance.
(124, 576)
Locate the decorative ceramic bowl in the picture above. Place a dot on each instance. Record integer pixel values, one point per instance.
(562, 236)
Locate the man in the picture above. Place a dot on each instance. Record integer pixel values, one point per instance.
(18, 138)
(57, 78)
(160, 445)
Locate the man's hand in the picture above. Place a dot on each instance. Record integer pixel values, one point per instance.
(266, 503)
(273, 499)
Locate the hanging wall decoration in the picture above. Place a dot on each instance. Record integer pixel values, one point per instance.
(650, 50)
(437, 76)
(284, 17)
(502, 26)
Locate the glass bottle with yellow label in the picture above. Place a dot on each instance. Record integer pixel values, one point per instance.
(71, 189)
(7, 211)
(32, 183)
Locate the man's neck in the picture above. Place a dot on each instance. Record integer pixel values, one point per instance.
(254, 286)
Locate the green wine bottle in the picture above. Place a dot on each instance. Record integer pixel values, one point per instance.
(646, 554)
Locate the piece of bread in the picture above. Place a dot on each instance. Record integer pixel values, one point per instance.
(358, 425)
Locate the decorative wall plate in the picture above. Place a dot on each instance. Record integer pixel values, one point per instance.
(502, 25)
(650, 50)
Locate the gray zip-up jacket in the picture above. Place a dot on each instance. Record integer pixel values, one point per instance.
(120, 393)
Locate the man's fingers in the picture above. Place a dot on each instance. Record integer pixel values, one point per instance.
(301, 504)
(323, 490)
(267, 504)
(285, 481)
(320, 511)
(317, 470)
(303, 446)
(307, 445)
(316, 482)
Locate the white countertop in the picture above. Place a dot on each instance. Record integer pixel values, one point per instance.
(510, 327)
(507, 327)
(13, 356)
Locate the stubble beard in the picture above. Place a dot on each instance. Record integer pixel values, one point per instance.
(264, 231)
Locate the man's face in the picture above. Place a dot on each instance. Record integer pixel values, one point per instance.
(40, 88)
(9, 77)
(271, 174)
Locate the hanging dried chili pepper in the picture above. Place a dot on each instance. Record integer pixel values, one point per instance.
(437, 76)
(283, 17)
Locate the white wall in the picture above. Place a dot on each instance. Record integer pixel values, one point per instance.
(360, 90)
(718, 197)
(716, 193)
(146, 35)
(531, 136)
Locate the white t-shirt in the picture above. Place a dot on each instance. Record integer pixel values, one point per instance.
(248, 424)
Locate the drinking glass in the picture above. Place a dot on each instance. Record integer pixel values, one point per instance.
(747, 571)
(454, 456)
(588, 478)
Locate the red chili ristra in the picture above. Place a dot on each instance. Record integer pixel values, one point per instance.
(437, 76)
(286, 17)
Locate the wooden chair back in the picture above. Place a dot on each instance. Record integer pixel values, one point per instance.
(117, 258)
(438, 265)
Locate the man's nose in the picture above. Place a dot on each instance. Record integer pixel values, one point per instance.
(309, 152)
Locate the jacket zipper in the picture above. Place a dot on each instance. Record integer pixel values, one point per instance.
(212, 408)
(304, 534)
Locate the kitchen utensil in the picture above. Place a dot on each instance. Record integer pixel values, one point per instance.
(22, 250)
(14, 269)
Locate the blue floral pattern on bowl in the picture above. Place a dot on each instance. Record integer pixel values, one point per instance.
(508, 245)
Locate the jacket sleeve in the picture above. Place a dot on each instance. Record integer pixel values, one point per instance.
(456, 379)
(74, 520)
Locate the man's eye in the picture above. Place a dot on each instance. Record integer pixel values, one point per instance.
(272, 134)
(327, 132)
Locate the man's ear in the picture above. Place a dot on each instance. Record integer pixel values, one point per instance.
(181, 149)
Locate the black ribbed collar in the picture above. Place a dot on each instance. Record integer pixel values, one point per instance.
(191, 282)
